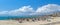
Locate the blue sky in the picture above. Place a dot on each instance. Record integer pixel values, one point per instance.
(28, 7)
(15, 4)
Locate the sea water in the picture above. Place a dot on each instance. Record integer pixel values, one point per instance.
(14, 17)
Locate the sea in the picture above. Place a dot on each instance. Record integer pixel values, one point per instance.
(15, 17)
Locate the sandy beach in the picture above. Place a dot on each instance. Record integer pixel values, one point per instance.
(53, 21)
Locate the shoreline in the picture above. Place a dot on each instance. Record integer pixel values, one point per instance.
(15, 22)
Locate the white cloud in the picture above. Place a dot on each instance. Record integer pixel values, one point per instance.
(28, 10)
(3, 12)
(48, 9)
(25, 10)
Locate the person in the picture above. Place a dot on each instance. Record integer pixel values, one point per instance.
(27, 19)
(20, 21)
(33, 20)
(38, 19)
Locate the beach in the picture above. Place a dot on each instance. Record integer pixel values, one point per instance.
(53, 21)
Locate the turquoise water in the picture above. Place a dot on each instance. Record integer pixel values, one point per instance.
(14, 17)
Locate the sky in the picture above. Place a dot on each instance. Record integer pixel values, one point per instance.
(15, 4)
(22, 7)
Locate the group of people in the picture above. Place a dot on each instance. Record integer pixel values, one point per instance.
(20, 20)
(30, 19)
